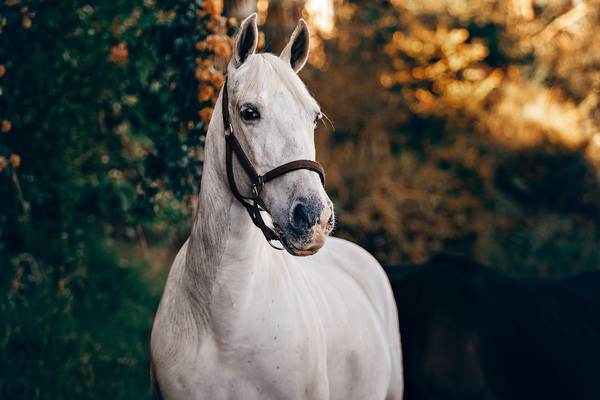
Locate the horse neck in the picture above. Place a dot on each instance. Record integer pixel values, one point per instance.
(224, 246)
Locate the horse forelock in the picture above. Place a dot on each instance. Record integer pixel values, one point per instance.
(267, 74)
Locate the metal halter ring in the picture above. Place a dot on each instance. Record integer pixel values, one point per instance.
(257, 187)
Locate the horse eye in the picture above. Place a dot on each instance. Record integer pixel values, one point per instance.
(249, 113)
(318, 117)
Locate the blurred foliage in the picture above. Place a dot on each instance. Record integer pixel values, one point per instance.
(470, 128)
(103, 110)
(84, 335)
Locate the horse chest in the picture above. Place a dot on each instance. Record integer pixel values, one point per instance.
(252, 367)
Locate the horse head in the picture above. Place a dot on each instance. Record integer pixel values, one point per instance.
(274, 118)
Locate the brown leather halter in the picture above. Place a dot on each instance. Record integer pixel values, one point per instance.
(258, 181)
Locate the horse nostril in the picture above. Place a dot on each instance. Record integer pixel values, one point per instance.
(299, 214)
(305, 214)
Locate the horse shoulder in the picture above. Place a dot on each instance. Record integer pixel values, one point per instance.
(360, 276)
(362, 268)
(176, 333)
(170, 301)
(366, 273)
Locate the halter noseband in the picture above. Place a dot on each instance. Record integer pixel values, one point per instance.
(258, 181)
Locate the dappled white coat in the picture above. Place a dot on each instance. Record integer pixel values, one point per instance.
(241, 320)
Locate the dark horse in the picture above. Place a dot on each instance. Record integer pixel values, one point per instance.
(471, 333)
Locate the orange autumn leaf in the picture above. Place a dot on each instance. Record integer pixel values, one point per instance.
(15, 160)
(6, 126)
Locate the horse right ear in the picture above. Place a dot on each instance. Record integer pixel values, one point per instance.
(296, 51)
(245, 42)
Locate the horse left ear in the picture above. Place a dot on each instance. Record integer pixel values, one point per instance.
(245, 42)
(296, 51)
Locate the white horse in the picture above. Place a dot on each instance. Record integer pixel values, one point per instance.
(241, 320)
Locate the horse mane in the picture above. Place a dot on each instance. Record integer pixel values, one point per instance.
(268, 73)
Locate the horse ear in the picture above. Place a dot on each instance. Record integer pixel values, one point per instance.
(245, 42)
(296, 51)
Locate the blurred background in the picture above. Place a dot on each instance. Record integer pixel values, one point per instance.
(453, 126)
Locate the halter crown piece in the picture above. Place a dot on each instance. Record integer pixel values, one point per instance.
(258, 181)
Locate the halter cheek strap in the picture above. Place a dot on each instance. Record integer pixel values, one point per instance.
(258, 181)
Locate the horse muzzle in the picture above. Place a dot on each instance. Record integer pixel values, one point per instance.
(310, 221)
